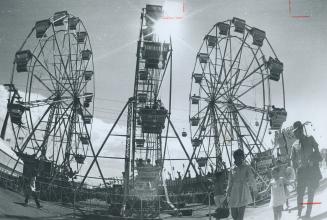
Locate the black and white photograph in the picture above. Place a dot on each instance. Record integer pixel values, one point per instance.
(163, 109)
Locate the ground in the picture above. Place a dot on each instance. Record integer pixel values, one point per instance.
(11, 208)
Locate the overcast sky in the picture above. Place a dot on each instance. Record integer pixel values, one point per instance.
(113, 26)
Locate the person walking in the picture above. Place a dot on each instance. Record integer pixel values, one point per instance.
(287, 172)
(305, 157)
(30, 170)
(241, 178)
(277, 192)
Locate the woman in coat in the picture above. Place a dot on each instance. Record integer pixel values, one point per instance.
(241, 179)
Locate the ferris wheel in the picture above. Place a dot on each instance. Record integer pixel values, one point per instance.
(236, 83)
(51, 93)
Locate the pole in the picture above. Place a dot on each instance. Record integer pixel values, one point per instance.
(209, 205)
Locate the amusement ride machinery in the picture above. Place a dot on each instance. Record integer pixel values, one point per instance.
(51, 96)
(147, 127)
(148, 123)
(236, 83)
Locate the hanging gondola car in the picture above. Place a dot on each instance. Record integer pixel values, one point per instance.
(258, 36)
(211, 40)
(153, 120)
(86, 54)
(59, 17)
(275, 68)
(184, 133)
(79, 158)
(277, 117)
(223, 28)
(41, 27)
(16, 111)
(21, 59)
(239, 25)
(197, 77)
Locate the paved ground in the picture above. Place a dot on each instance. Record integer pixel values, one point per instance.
(264, 212)
(11, 208)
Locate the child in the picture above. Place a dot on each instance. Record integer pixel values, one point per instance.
(278, 195)
(287, 172)
(239, 183)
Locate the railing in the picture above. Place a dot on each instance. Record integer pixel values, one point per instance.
(101, 202)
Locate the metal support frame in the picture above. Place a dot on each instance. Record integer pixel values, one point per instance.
(103, 143)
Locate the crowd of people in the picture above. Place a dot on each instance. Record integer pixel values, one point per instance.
(303, 173)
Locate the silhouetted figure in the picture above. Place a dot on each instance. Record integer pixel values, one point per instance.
(179, 175)
(148, 163)
(30, 171)
(219, 187)
(305, 158)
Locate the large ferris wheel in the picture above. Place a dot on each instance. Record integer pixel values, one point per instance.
(51, 93)
(236, 83)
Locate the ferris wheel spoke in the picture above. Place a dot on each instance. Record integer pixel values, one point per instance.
(58, 48)
(61, 56)
(197, 114)
(236, 74)
(224, 137)
(65, 78)
(82, 85)
(48, 101)
(202, 122)
(247, 74)
(54, 134)
(210, 151)
(53, 77)
(211, 77)
(78, 69)
(236, 130)
(45, 62)
(32, 133)
(262, 112)
(251, 133)
(54, 131)
(69, 57)
(241, 105)
(207, 82)
(252, 87)
(234, 60)
(214, 77)
(64, 133)
(42, 82)
(214, 80)
(204, 90)
(40, 71)
(53, 127)
(239, 84)
(224, 133)
(222, 67)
